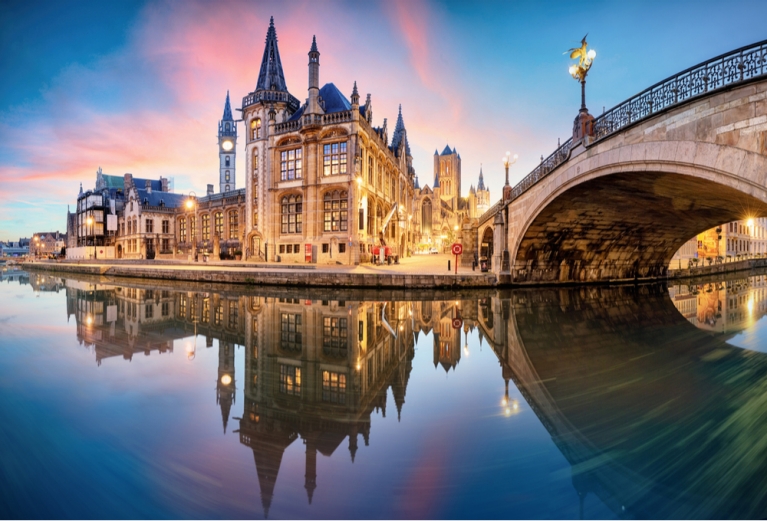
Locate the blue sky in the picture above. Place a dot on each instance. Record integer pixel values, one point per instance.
(139, 86)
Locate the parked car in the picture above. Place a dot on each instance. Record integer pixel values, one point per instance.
(433, 250)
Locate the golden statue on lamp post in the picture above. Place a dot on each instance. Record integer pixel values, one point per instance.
(584, 121)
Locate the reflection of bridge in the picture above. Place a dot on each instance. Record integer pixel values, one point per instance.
(682, 156)
(653, 414)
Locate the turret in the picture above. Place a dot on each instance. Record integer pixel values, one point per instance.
(227, 141)
(314, 80)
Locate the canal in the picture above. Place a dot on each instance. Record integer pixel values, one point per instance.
(152, 399)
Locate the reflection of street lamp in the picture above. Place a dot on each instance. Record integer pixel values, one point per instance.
(90, 223)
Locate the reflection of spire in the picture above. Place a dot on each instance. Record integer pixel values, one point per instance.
(310, 478)
(353, 442)
(268, 457)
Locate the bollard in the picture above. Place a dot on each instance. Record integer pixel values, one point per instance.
(448, 265)
(473, 265)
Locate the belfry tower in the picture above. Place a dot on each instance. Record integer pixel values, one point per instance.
(227, 142)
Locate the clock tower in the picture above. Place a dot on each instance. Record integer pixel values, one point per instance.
(227, 141)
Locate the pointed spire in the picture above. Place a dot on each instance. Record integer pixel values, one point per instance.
(271, 77)
(355, 95)
(435, 152)
(227, 109)
(417, 186)
(481, 184)
(436, 180)
(446, 151)
(81, 189)
(400, 133)
(314, 44)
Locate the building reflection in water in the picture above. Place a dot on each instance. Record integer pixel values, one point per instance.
(619, 377)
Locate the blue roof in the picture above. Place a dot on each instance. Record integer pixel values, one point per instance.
(333, 99)
(297, 114)
(447, 151)
(168, 199)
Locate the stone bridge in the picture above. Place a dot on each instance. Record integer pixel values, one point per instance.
(616, 202)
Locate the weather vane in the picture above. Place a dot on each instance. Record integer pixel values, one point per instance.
(579, 70)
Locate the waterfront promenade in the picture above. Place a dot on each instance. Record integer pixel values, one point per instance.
(420, 271)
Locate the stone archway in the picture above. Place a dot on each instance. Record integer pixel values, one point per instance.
(119, 251)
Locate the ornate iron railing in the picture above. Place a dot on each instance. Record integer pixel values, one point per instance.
(273, 96)
(740, 65)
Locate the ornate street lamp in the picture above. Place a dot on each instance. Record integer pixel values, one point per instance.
(507, 161)
(583, 122)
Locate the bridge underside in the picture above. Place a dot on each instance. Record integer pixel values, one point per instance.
(624, 226)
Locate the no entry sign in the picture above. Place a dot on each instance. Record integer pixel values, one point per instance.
(457, 249)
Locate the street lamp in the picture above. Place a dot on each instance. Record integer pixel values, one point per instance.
(90, 223)
(507, 161)
(579, 70)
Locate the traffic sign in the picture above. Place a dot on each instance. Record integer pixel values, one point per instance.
(457, 323)
(457, 249)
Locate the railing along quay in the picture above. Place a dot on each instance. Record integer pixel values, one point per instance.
(739, 66)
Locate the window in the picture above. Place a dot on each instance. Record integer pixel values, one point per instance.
(292, 208)
(379, 182)
(334, 162)
(290, 380)
(325, 248)
(333, 387)
(205, 227)
(219, 222)
(149, 226)
(166, 227)
(290, 164)
(336, 218)
(255, 128)
(182, 229)
(165, 309)
(192, 229)
(227, 164)
(233, 225)
(205, 310)
(226, 188)
(334, 337)
(341, 247)
(165, 245)
(290, 332)
(361, 224)
(282, 248)
(255, 175)
(218, 315)
(148, 311)
(233, 314)
(227, 178)
(255, 219)
(370, 170)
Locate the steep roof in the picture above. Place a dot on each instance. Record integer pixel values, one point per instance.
(481, 184)
(271, 77)
(155, 198)
(446, 151)
(227, 110)
(333, 101)
(399, 133)
(118, 182)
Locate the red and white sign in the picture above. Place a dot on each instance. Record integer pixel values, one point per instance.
(457, 249)
(457, 323)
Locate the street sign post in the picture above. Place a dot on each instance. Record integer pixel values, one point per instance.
(456, 249)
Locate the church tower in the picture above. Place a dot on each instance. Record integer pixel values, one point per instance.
(483, 195)
(227, 141)
(447, 175)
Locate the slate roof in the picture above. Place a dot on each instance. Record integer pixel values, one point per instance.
(399, 133)
(117, 182)
(168, 199)
(447, 151)
(271, 77)
(333, 101)
(227, 110)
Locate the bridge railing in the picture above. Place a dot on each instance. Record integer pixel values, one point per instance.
(740, 65)
(744, 64)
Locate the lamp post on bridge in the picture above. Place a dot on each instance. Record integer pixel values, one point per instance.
(508, 160)
(584, 121)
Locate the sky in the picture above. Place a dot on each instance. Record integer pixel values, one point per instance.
(139, 86)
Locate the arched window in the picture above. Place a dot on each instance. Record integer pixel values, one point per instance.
(206, 227)
(233, 225)
(226, 188)
(255, 220)
(219, 222)
(370, 170)
(379, 182)
(336, 207)
(255, 128)
(291, 214)
(426, 216)
(193, 228)
(227, 175)
(182, 229)
(227, 160)
(227, 126)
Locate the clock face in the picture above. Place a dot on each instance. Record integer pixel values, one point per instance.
(227, 145)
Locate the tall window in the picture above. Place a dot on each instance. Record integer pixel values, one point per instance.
(290, 380)
(290, 332)
(255, 175)
(292, 219)
(218, 314)
(290, 164)
(255, 128)
(233, 225)
(370, 170)
(333, 387)
(205, 310)
(233, 313)
(227, 172)
(182, 229)
(379, 181)
(227, 161)
(336, 218)
(193, 228)
(149, 226)
(166, 226)
(334, 158)
(426, 216)
(206, 227)
(219, 220)
(334, 337)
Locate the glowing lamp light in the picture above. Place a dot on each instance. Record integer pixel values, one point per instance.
(359, 180)
(750, 222)
(226, 379)
(89, 320)
(592, 54)
(90, 221)
(228, 145)
(189, 204)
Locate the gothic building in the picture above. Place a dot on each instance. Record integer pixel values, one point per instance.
(323, 184)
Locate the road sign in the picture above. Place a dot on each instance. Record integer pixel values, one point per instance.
(457, 323)
(457, 249)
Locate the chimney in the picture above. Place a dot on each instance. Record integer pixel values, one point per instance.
(148, 186)
(210, 189)
(128, 181)
(164, 184)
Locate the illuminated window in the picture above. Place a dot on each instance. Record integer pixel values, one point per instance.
(206, 310)
(291, 213)
(219, 221)
(333, 387)
(218, 316)
(192, 228)
(290, 380)
(336, 218)
(182, 229)
(334, 158)
(291, 164)
(291, 338)
(233, 225)
(370, 170)
(334, 337)
(255, 128)
(233, 314)
(206, 227)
